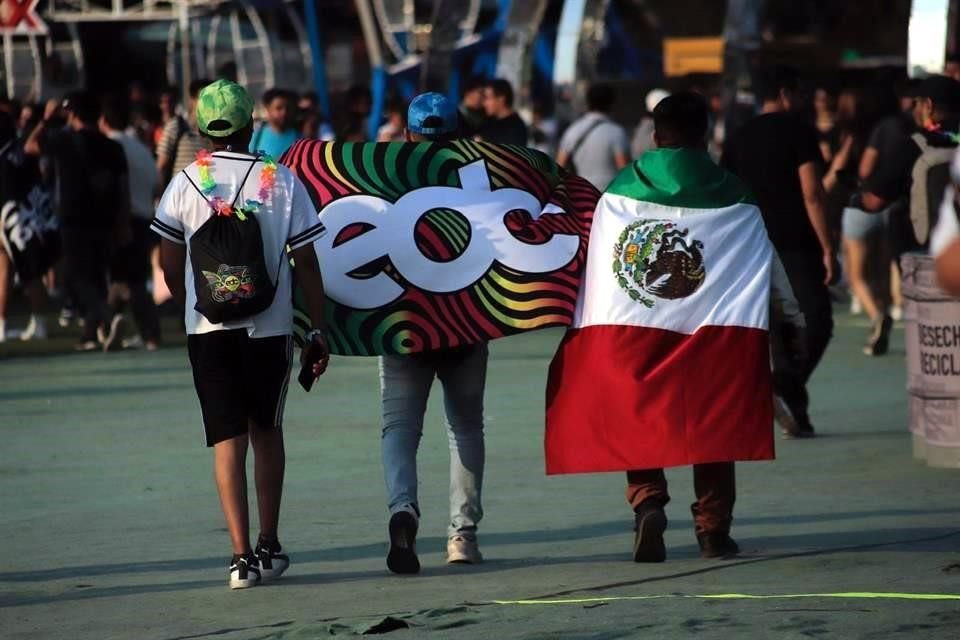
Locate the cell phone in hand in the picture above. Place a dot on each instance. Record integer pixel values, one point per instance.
(306, 378)
(313, 355)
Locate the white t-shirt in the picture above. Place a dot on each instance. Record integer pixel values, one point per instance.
(142, 173)
(596, 157)
(287, 219)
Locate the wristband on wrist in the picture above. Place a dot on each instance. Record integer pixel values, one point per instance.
(313, 333)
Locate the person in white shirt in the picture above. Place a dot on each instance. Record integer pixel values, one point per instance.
(594, 146)
(241, 369)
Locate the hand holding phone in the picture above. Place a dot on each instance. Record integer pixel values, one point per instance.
(314, 358)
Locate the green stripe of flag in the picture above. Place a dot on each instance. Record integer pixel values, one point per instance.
(685, 178)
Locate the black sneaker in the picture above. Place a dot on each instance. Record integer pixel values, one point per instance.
(879, 340)
(802, 428)
(651, 522)
(717, 545)
(244, 572)
(270, 561)
(402, 557)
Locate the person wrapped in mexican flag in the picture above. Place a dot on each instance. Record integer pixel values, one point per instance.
(667, 362)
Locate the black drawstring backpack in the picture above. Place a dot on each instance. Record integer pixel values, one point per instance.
(229, 272)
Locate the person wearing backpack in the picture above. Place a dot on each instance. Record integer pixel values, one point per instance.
(909, 172)
(229, 224)
(914, 167)
(594, 146)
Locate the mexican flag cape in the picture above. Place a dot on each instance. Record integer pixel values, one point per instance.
(667, 360)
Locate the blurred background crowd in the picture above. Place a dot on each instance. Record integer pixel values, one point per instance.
(872, 103)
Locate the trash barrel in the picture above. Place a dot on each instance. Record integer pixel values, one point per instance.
(932, 335)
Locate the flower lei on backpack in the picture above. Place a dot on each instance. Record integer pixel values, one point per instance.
(268, 178)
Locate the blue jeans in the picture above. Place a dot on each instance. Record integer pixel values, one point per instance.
(405, 383)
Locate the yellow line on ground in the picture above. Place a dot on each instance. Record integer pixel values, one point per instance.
(853, 595)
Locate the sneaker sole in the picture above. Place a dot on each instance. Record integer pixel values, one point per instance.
(236, 583)
(276, 572)
(648, 546)
(402, 557)
(713, 555)
(462, 558)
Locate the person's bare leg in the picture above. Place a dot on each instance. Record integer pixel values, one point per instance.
(896, 293)
(856, 254)
(269, 461)
(229, 461)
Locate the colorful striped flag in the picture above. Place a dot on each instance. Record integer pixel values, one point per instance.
(433, 246)
(667, 360)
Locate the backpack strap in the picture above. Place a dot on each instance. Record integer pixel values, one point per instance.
(183, 129)
(239, 188)
(583, 137)
(244, 181)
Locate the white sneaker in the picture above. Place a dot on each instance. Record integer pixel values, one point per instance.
(461, 550)
(244, 573)
(65, 318)
(271, 562)
(855, 307)
(136, 342)
(36, 329)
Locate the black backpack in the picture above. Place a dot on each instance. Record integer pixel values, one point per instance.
(229, 273)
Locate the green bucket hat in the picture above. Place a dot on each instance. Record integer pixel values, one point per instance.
(223, 108)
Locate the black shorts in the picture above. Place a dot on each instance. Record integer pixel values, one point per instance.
(239, 380)
(131, 263)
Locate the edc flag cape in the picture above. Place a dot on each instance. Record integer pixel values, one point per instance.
(667, 360)
(441, 245)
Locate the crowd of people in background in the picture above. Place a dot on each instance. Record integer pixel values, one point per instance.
(861, 143)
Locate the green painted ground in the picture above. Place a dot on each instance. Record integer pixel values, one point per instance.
(111, 527)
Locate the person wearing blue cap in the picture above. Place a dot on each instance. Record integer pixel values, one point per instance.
(432, 117)
(405, 382)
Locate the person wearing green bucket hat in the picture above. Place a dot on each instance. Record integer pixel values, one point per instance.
(241, 362)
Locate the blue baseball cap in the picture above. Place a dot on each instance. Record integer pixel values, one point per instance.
(432, 114)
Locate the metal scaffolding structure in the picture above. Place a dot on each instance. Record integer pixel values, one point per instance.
(205, 37)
